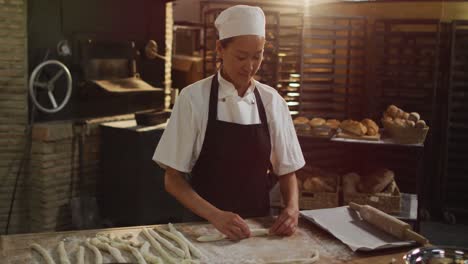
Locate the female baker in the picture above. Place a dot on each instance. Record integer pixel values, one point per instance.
(227, 131)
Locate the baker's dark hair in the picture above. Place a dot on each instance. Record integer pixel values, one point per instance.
(225, 42)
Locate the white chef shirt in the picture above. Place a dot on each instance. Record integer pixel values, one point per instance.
(182, 140)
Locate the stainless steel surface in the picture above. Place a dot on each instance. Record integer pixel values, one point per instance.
(443, 255)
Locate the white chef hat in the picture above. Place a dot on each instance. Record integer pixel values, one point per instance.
(240, 20)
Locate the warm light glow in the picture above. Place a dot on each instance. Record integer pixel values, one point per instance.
(294, 85)
(294, 75)
(294, 112)
(281, 54)
(292, 94)
(292, 103)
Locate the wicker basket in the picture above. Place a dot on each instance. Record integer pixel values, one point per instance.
(387, 202)
(318, 200)
(405, 135)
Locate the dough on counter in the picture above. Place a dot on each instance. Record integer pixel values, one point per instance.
(195, 251)
(310, 260)
(127, 247)
(179, 252)
(216, 237)
(211, 238)
(164, 254)
(179, 241)
(97, 253)
(112, 250)
(63, 254)
(145, 252)
(44, 253)
(80, 256)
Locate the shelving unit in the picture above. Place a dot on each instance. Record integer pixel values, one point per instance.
(363, 156)
(333, 67)
(455, 180)
(406, 65)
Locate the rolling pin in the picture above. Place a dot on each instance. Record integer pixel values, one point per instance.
(388, 223)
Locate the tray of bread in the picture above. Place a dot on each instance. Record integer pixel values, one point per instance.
(366, 129)
(316, 127)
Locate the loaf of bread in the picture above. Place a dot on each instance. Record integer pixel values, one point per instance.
(376, 182)
(372, 127)
(317, 184)
(316, 122)
(314, 179)
(350, 182)
(333, 123)
(353, 127)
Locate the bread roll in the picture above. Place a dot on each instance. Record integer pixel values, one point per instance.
(399, 122)
(315, 122)
(392, 111)
(387, 119)
(376, 182)
(372, 127)
(353, 127)
(400, 113)
(420, 124)
(301, 120)
(414, 117)
(410, 123)
(333, 123)
(350, 182)
(301, 123)
(405, 116)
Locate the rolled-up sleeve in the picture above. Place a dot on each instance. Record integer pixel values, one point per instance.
(176, 146)
(286, 153)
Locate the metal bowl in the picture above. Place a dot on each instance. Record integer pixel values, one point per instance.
(437, 255)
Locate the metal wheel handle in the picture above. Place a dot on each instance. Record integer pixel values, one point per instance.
(49, 86)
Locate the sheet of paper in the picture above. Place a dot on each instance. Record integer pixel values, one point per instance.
(347, 226)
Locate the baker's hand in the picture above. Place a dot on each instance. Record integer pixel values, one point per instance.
(231, 224)
(286, 223)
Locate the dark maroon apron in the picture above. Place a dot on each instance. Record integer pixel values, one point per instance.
(231, 171)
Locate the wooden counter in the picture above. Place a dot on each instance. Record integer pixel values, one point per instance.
(15, 248)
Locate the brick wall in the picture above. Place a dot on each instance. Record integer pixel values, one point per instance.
(13, 109)
(53, 173)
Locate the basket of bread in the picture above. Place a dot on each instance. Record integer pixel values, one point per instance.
(403, 127)
(317, 188)
(367, 129)
(316, 126)
(377, 189)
